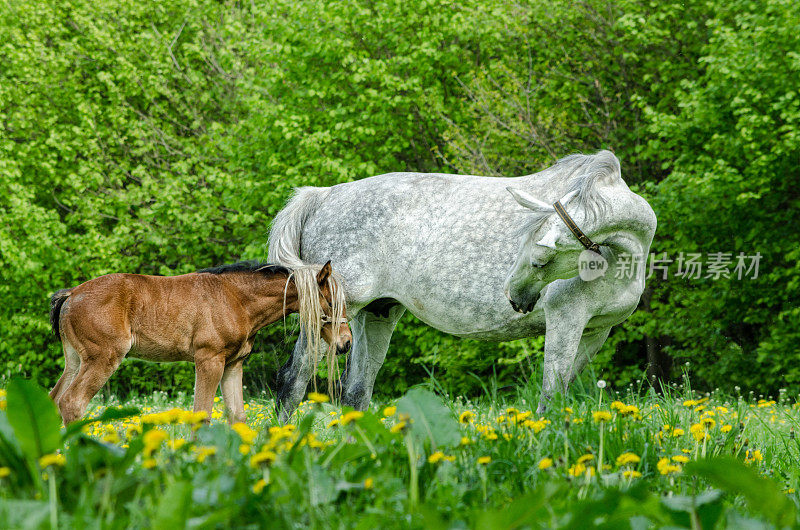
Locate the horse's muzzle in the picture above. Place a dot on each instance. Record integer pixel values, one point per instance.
(524, 308)
(344, 348)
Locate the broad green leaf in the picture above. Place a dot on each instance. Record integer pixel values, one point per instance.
(36, 422)
(173, 510)
(762, 494)
(430, 419)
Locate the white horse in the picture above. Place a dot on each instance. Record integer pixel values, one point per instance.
(456, 249)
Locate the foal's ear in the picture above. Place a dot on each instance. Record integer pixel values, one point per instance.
(324, 274)
(529, 201)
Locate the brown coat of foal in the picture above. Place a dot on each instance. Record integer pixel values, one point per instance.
(209, 317)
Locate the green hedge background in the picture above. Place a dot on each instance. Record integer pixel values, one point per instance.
(162, 137)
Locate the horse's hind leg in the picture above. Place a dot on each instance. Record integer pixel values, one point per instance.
(371, 335)
(72, 363)
(97, 365)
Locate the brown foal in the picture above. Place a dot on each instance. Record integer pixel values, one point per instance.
(209, 317)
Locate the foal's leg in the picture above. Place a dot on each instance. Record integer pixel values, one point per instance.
(232, 392)
(97, 365)
(72, 363)
(371, 336)
(209, 366)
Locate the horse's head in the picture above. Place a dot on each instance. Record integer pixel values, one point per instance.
(548, 250)
(335, 330)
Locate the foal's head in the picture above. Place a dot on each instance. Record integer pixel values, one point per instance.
(335, 330)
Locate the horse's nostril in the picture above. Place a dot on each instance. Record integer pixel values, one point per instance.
(345, 347)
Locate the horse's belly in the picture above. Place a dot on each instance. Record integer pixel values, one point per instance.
(161, 353)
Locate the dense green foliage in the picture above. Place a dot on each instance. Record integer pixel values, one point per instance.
(424, 462)
(162, 138)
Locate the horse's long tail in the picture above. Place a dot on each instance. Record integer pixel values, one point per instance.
(56, 301)
(287, 228)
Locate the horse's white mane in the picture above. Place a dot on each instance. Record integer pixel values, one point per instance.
(578, 173)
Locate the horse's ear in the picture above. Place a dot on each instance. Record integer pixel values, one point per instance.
(324, 274)
(529, 201)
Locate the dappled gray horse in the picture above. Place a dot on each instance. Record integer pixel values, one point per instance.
(461, 254)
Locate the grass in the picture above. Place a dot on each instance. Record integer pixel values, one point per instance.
(596, 457)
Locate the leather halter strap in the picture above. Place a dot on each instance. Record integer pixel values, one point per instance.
(587, 243)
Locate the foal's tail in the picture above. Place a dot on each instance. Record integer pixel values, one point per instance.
(56, 301)
(287, 228)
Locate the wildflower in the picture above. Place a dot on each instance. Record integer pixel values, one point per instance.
(617, 405)
(677, 432)
(484, 460)
(369, 483)
(601, 384)
(626, 459)
(698, 430)
(535, 426)
(4, 472)
(247, 434)
(466, 440)
(351, 417)
(630, 473)
(153, 439)
(629, 410)
(259, 486)
(149, 463)
(754, 456)
(262, 457)
(333, 423)
(439, 456)
(244, 449)
(600, 416)
(389, 411)
(204, 452)
(176, 444)
(52, 459)
(466, 417)
(568, 410)
(579, 469)
(681, 459)
(585, 458)
(690, 403)
(707, 422)
(545, 463)
(398, 427)
(132, 430)
(665, 467)
(316, 397)
(726, 428)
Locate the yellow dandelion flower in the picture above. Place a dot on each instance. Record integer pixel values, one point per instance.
(203, 452)
(626, 459)
(262, 457)
(4, 472)
(52, 459)
(176, 444)
(617, 405)
(545, 463)
(484, 460)
(726, 428)
(247, 434)
(259, 486)
(389, 411)
(398, 427)
(536, 426)
(677, 432)
(466, 440)
(466, 417)
(585, 458)
(351, 417)
(316, 397)
(600, 416)
(369, 483)
(149, 463)
(681, 459)
(631, 473)
(333, 423)
(665, 467)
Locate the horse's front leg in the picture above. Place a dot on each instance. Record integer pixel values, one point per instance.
(209, 367)
(563, 333)
(232, 393)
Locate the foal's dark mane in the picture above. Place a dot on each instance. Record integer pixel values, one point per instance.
(248, 266)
